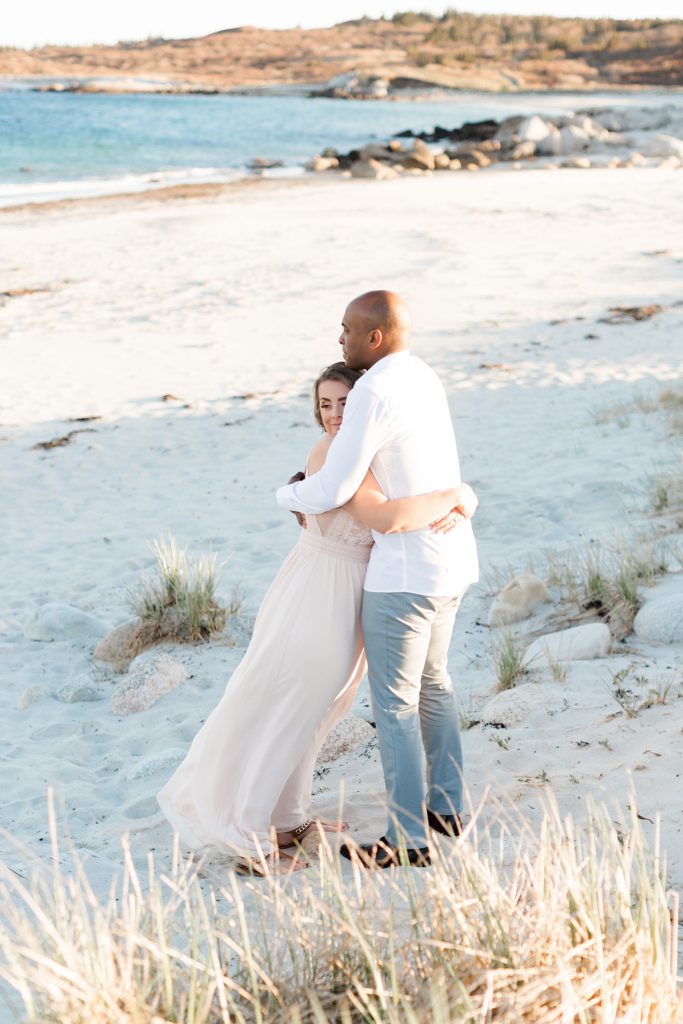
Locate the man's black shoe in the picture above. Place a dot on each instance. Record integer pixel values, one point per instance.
(381, 854)
(445, 824)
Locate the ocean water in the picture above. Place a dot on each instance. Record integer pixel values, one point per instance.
(55, 145)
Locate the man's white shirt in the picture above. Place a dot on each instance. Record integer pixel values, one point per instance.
(397, 422)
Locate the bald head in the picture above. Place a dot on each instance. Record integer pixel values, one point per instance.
(375, 324)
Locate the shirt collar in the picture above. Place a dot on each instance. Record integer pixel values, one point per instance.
(384, 362)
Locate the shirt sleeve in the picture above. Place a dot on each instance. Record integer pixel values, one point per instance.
(364, 430)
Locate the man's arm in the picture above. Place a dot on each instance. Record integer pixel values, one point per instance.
(362, 433)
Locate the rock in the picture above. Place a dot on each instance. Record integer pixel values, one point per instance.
(330, 152)
(419, 156)
(533, 129)
(151, 675)
(322, 163)
(507, 131)
(372, 169)
(489, 146)
(63, 622)
(670, 161)
(31, 695)
(664, 146)
(162, 760)
(455, 165)
(80, 690)
(349, 734)
(262, 163)
(581, 643)
(442, 162)
(573, 140)
(119, 647)
(375, 151)
(470, 156)
(514, 706)
(578, 163)
(518, 599)
(551, 145)
(522, 151)
(660, 620)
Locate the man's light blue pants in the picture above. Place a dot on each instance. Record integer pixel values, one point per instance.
(406, 641)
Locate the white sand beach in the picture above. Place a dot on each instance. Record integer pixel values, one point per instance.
(232, 304)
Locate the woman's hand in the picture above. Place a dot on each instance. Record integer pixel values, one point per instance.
(299, 516)
(465, 507)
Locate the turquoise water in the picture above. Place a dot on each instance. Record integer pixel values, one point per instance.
(58, 144)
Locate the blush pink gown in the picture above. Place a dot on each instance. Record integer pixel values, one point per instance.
(249, 768)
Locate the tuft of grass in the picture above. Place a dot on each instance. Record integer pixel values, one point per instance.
(180, 603)
(519, 922)
(648, 693)
(508, 654)
(666, 491)
(601, 581)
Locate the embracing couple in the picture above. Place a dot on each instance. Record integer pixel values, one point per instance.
(373, 583)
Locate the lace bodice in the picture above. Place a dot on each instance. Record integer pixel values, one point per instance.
(340, 526)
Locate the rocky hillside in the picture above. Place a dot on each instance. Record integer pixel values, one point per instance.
(373, 57)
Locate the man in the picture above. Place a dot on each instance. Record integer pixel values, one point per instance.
(397, 421)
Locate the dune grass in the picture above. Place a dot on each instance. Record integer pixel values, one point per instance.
(179, 602)
(602, 579)
(551, 923)
(507, 656)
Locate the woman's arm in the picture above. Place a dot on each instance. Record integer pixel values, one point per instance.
(371, 507)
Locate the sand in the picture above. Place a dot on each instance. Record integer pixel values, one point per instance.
(232, 304)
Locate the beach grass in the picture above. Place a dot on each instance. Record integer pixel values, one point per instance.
(179, 602)
(508, 657)
(552, 922)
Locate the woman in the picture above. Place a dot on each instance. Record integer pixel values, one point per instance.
(245, 784)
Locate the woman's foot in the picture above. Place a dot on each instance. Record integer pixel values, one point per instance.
(291, 837)
(275, 863)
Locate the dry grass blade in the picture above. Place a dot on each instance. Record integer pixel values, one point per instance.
(517, 923)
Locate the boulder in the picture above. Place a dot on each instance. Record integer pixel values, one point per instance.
(63, 622)
(350, 733)
(470, 156)
(119, 647)
(573, 140)
(419, 156)
(375, 151)
(522, 151)
(31, 695)
(372, 169)
(660, 620)
(518, 599)
(551, 145)
(82, 689)
(533, 129)
(664, 146)
(581, 643)
(514, 706)
(322, 163)
(442, 162)
(150, 676)
(578, 163)
(455, 165)
(160, 761)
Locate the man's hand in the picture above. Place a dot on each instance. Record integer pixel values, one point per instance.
(299, 516)
(465, 509)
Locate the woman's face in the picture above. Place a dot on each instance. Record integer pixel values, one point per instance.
(331, 401)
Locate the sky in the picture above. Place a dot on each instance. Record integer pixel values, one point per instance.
(36, 22)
